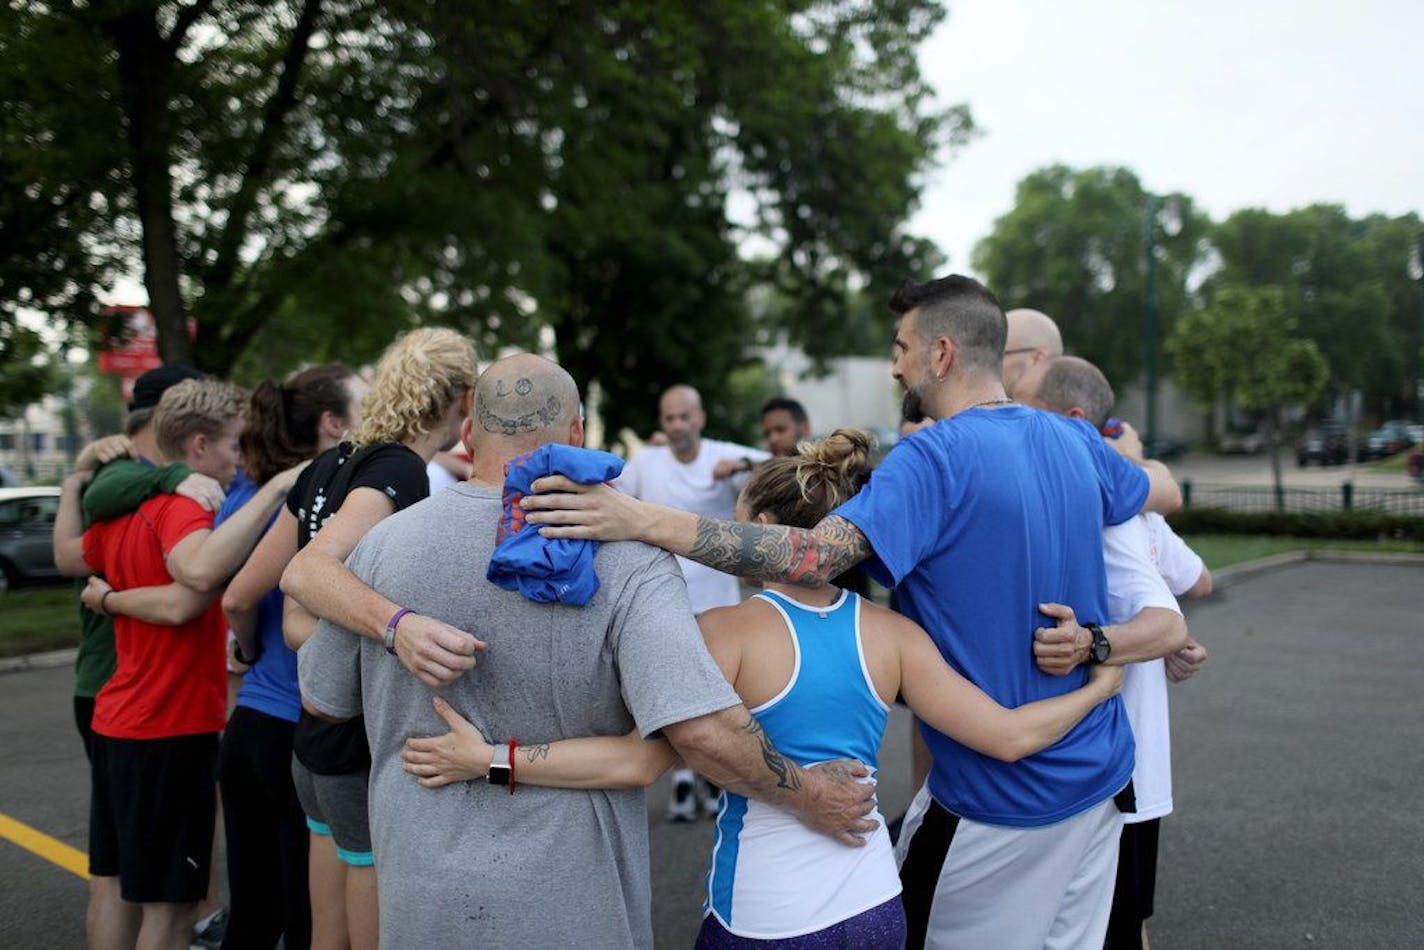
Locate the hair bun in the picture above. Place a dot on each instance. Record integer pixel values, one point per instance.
(845, 451)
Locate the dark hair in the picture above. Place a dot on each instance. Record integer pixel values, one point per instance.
(798, 411)
(1071, 382)
(962, 309)
(799, 490)
(282, 418)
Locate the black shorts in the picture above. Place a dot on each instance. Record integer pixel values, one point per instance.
(1136, 884)
(84, 722)
(151, 816)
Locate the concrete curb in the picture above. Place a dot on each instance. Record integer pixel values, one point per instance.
(1236, 573)
(1368, 557)
(39, 661)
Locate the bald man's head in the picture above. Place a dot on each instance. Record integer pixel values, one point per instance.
(1033, 338)
(681, 418)
(522, 402)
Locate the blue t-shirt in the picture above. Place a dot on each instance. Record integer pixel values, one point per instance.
(976, 521)
(270, 686)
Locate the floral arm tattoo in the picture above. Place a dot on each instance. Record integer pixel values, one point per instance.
(773, 552)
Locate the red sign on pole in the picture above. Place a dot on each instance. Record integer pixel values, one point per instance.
(130, 341)
(130, 346)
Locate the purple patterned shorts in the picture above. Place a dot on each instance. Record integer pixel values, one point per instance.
(880, 928)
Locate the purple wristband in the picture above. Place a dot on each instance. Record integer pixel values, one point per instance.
(390, 637)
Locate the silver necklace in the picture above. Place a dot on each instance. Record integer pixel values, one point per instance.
(1004, 401)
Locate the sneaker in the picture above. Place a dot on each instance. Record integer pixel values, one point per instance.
(208, 933)
(711, 797)
(683, 804)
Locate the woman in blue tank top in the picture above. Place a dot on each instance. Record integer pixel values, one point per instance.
(818, 667)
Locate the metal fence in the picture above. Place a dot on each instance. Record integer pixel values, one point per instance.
(1348, 497)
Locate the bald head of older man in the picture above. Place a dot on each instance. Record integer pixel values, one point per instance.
(1033, 338)
(521, 402)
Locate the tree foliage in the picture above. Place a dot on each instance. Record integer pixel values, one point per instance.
(310, 176)
(1243, 348)
(26, 370)
(1346, 280)
(1074, 246)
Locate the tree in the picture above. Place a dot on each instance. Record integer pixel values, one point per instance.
(1347, 282)
(1074, 246)
(309, 177)
(26, 370)
(1243, 348)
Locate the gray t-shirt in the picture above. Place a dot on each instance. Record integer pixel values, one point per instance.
(469, 864)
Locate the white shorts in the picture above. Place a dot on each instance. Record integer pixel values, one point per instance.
(969, 884)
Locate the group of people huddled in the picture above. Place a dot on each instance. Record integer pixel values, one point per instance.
(452, 691)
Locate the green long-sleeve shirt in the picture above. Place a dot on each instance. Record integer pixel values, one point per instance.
(118, 489)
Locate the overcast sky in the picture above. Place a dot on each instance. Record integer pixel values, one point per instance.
(1253, 103)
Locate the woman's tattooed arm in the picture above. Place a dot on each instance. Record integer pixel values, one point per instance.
(773, 552)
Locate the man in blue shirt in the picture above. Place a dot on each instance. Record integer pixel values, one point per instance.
(987, 522)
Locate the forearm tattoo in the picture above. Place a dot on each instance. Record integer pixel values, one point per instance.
(788, 774)
(778, 553)
(533, 753)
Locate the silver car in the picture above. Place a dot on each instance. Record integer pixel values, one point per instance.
(27, 535)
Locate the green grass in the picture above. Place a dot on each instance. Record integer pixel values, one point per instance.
(1393, 463)
(33, 619)
(1221, 550)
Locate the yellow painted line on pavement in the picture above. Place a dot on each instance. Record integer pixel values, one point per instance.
(52, 850)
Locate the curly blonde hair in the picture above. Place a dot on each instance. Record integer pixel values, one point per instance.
(418, 378)
(195, 406)
(801, 489)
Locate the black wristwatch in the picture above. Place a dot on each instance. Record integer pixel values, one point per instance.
(1101, 649)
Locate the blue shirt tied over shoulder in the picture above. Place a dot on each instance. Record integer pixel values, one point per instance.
(547, 570)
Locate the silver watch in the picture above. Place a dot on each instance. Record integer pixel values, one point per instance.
(500, 766)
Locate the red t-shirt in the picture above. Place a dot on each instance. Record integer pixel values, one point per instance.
(170, 681)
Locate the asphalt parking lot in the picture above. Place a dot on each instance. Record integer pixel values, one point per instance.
(1298, 757)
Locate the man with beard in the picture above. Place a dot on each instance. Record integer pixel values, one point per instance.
(987, 522)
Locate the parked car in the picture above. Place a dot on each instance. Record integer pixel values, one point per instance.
(1241, 443)
(27, 535)
(1415, 433)
(1164, 447)
(1388, 439)
(1328, 444)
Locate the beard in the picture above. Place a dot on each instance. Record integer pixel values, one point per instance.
(912, 407)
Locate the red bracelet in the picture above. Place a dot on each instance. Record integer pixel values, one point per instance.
(513, 744)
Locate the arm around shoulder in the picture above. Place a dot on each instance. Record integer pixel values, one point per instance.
(1164, 495)
(68, 535)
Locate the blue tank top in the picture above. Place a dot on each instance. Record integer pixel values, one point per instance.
(771, 877)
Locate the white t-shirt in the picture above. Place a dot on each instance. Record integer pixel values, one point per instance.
(440, 477)
(656, 475)
(1134, 582)
(1178, 564)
